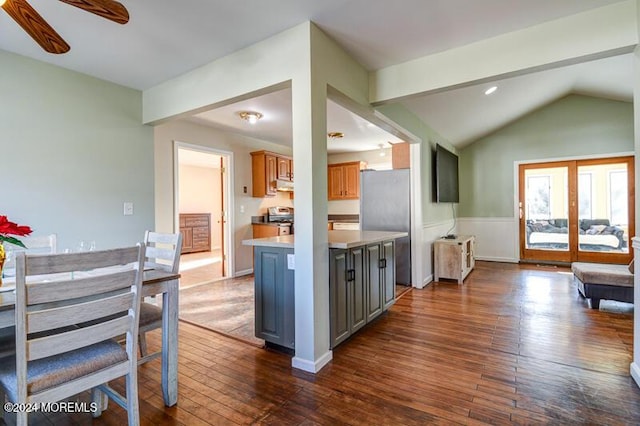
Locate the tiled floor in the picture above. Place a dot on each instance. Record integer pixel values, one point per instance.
(199, 268)
(209, 300)
(222, 305)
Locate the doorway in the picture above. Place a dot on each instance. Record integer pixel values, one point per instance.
(201, 206)
(577, 210)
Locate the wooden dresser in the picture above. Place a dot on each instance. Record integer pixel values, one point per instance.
(196, 232)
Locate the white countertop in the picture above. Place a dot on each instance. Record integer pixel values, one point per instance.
(337, 239)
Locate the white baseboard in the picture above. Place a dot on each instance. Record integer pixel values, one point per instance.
(635, 373)
(498, 259)
(427, 281)
(311, 366)
(244, 272)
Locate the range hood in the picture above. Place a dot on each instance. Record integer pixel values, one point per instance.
(284, 185)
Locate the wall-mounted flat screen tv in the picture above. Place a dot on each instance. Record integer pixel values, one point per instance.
(446, 179)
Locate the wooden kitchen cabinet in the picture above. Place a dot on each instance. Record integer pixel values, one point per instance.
(263, 230)
(454, 257)
(266, 168)
(285, 168)
(196, 232)
(344, 180)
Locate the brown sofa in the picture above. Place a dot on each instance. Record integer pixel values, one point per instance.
(596, 281)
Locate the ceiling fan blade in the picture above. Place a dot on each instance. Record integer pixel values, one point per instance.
(35, 25)
(109, 9)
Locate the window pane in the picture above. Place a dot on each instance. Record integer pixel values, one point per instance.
(584, 196)
(606, 228)
(547, 211)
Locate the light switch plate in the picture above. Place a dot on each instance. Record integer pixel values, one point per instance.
(291, 261)
(128, 208)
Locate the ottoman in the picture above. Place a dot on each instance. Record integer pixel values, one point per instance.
(597, 281)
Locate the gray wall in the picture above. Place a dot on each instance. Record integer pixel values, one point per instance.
(72, 150)
(573, 126)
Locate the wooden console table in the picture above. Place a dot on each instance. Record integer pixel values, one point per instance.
(454, 257)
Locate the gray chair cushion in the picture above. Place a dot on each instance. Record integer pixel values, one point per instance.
(7, 341)
(45, 373)
(149, 314)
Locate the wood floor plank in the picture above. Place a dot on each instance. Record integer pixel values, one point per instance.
(514, 344)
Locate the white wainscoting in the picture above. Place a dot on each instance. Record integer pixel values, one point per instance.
(496, 237)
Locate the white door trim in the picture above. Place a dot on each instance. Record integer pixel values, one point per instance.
(228, 198)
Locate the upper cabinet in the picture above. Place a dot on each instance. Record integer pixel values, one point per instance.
(266, 168)
(344, 180)
(285, 168)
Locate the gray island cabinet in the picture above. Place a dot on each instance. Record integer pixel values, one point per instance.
(361, 283)
(274, 296)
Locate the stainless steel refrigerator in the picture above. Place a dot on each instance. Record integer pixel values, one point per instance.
(385, 205)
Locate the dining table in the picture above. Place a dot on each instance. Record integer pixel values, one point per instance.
(154, 282)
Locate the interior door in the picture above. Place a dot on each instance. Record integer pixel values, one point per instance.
(580, 210)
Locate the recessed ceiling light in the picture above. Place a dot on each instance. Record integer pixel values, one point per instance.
(490, 90)
(335, 135)
(251, 116)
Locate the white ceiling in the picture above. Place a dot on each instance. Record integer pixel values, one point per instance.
(166, 38)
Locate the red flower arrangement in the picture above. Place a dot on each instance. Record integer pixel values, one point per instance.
(9, 228)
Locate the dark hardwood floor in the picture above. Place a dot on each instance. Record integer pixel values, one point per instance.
(512, 345)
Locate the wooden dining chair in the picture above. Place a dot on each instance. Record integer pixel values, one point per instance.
(162, 252)
(54, 358)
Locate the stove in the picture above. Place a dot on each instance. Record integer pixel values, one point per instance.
(280, 214)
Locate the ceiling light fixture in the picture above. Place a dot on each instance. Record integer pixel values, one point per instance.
(335, 135)
(490, 90)
(382, 153)
(251, 116)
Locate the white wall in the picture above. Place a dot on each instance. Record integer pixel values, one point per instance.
(200, 192)
(73, 150)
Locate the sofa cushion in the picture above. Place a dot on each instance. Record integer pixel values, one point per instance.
(603, 273)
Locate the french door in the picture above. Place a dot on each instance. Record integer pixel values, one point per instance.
(580, 210)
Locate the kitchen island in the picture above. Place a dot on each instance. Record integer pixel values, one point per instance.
(361, 283)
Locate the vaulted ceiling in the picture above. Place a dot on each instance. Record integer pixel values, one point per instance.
(165, 38)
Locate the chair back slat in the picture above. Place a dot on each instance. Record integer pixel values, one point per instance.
(160, 257)
(53, 291)
(161, 238)
(163, 251)
(69, 262)
(42, 347)
(64, 316)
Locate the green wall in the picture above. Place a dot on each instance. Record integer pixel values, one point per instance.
(72, 150)
(431, 212)
(573, 126)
